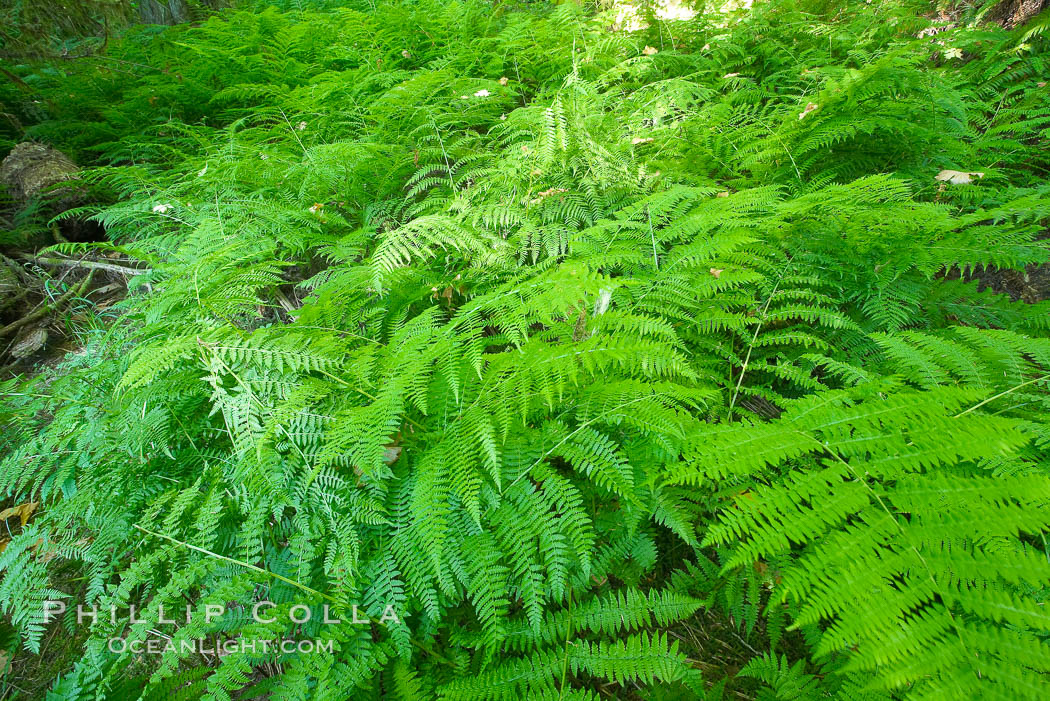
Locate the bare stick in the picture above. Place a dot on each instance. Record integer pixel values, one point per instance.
(112, 267)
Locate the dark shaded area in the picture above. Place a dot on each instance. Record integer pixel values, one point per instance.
(1032, 285)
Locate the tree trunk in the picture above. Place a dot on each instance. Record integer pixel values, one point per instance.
(1011, 13)
(164, 11)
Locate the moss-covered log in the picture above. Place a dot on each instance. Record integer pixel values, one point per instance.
(33, 169)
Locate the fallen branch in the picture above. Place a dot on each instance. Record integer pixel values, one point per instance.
(91, 264)
(74, 291)
(25, 277)
(288, 305)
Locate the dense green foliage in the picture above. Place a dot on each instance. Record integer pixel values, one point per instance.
(548, 340)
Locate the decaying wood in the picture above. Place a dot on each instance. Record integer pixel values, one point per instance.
(29, 341)
(44, 309)
(32, 168)
(164, 11)
(1012, 13)
(9, 282)
(38, 171)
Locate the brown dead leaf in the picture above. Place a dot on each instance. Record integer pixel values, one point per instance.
(391, 453)
(724, 193)
(543, 194)
(22, 511)
(48, 555)
(809, 108)
(649, 51)
(717, 272)
(957, 177)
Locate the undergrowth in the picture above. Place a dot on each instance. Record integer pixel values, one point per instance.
(550, 338)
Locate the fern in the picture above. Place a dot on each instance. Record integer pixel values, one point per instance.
(551, 337)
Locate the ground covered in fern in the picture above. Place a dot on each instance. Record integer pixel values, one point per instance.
(689, 359)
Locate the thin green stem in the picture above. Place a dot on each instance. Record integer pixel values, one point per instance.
(242, 563)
